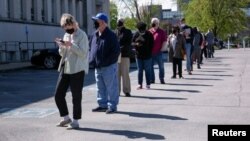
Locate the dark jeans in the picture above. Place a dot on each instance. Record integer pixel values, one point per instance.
(159, 60)
(75, 82)
(144, 65)
(177, 62)
(210, 50)
(203, 51)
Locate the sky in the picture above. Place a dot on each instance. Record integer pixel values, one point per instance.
(166, 4)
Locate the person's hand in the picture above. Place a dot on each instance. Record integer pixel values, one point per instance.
(67, 44)
(59, 41)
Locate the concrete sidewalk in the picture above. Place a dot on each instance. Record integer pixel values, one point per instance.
(180, 110)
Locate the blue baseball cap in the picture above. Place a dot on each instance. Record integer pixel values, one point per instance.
(101, 16)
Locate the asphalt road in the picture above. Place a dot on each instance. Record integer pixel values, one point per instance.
(180, 110)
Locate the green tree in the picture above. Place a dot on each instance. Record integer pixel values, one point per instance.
(113, 15)
(130, 23)
(223, 17)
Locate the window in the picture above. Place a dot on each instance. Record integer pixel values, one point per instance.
(53, 17)
(32, 10)
(8, 8)
(22, 10)
(43, 10)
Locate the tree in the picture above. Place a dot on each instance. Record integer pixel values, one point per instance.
(130, 23)
(223, 17)
(143, 13)
(113, 14)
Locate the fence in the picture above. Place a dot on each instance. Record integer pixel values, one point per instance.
(14, 51)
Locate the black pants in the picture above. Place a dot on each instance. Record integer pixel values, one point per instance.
(177, 62)
(75, 82)
(203, 51)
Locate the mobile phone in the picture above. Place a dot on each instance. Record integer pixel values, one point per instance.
(62, 41)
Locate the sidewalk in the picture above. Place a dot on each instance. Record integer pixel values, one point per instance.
(14, 66)
(180, 110)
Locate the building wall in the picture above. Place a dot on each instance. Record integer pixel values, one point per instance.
(38, 20)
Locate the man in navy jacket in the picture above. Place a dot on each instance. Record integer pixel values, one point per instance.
(103, 55)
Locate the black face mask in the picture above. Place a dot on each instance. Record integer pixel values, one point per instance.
(153, 24)
(70, 31)
(142, 31)
(96, 24)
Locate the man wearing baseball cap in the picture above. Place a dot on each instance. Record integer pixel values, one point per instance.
(103, 55)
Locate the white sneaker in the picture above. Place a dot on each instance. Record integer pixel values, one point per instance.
(63, 123)
(73, 125)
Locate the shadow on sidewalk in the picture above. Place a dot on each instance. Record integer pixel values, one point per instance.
(189, 84)
(128, 134)
(211, 71)
(204, 79)
(146, 115)
(219, 75)
(176, 90)
(156, 98)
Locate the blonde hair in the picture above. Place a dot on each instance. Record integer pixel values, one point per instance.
(67, 19)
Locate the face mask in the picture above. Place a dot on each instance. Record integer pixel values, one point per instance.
(96, 24)
(153, 25)
(142, 31)
(70, 31)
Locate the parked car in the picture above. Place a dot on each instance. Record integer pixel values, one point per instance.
(49, 58)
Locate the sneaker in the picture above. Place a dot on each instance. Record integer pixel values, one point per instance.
(73, 126)
(148, 87)
(99, 109)
(139, 87)
(163, 82)
(181, 77)
(63, 123)
(190, 73)
(173, 77)
(127, 94)
(110, 111)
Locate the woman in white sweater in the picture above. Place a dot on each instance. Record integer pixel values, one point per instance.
(73, 49)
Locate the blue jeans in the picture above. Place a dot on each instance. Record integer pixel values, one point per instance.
(107, 86)
(159, 60)
(144, 65)
(188, 49)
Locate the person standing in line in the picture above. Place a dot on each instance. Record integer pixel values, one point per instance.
(188, 34)
(103, 56)
(210, 43)
(197, 46)
(203, 48)
(177, 45)
(125, 39)
(73, 66)
(143, 43)
(159, 39)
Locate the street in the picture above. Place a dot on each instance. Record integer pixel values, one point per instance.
(180, 110)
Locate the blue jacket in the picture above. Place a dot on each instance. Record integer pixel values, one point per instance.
(104, 49)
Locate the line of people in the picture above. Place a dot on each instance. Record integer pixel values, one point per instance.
(109, 53)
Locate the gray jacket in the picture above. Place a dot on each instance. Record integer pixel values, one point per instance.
(75, 58)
